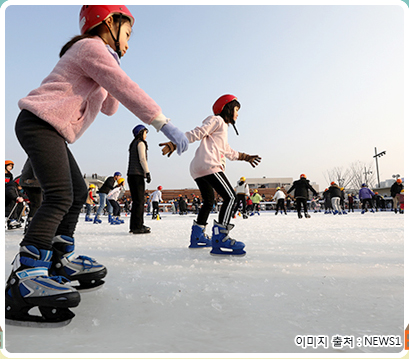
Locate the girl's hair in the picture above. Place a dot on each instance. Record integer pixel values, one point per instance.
(139, 137)
(91, 33)
(228, 111)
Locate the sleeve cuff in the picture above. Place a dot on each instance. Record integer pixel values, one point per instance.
(159, 121)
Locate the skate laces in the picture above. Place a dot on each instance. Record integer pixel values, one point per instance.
(87, 262)
(232, 241)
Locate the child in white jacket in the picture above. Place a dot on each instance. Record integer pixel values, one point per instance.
(112, 197)
(207, 169)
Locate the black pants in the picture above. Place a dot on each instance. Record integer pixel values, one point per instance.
(301, 201)
(137, 187)
(59, 176)
(220, 183)
(367, 202)
(116, 207)
(155, 209)
(280, 205)
(241, 200)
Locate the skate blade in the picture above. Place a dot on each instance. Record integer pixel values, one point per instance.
(84, 288)
(30, 324)
(200, 246)
(221, 253)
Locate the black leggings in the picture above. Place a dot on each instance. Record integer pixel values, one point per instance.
(59, 176)
(136, 185)
(207, 185)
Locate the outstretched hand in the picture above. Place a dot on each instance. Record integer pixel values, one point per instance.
(168, 149)
(254, 160)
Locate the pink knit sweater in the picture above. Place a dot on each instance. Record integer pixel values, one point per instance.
(85, 81)
(211, 155)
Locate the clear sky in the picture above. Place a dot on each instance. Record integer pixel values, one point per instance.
(320, 86)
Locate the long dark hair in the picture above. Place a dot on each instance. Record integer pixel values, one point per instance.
(91, 33)
(139, 137)
(228, 111)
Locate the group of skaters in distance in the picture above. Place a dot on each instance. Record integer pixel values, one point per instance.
(88, 79)
(334, 200)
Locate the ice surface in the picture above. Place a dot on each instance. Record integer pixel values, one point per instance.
(327, 275)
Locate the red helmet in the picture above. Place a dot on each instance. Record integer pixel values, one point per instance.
(93, 15)
(160, 188)
(399, 180)
(221, 102)
(303, 176)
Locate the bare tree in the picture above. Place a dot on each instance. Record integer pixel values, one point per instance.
(352, 177)
(362, 173)
(340, 176)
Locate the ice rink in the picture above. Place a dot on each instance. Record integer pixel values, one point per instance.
(302, 280)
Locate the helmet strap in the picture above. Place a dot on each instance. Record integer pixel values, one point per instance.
(235, 129)
(116, 39)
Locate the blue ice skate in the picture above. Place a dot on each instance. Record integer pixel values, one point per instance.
(198, 237)
(222, 244)
(88, 219)
(97, 220)
(87, 271)
(30, 285)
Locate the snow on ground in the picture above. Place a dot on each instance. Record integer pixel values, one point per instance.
(323, 276)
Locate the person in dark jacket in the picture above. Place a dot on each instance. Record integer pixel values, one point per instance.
(138, 171)
(301, 187)
(396, 189)
(350, 202)
(13, 202)
(378, 201)
(108, 185)
(335, 194)
(327, 201)
(182, 205)
(32, 188)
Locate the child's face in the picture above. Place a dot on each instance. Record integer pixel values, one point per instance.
(236, 113)
(126, 31)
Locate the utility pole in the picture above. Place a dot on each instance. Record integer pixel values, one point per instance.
(376, 160)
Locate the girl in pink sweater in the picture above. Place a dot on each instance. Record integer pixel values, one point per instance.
(86, 80)
(207, 169)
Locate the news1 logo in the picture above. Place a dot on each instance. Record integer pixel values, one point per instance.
(407, 338)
